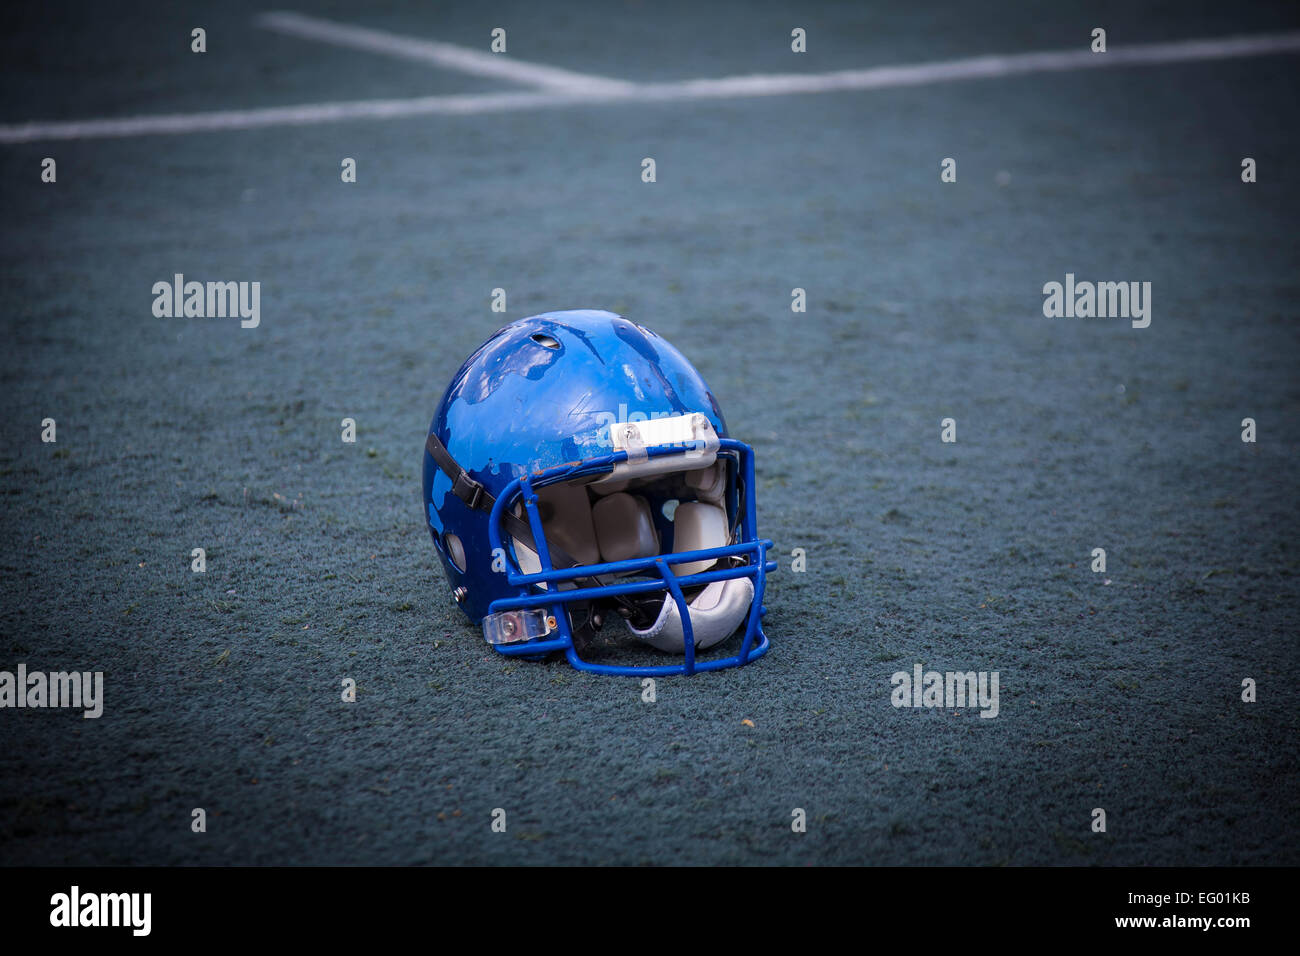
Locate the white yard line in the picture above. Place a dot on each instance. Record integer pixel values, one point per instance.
(497, 65)
(596, 90)
(224, 120)
(975, 68)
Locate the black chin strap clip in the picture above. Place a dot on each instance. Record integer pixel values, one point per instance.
(463, 486)
(469, 491)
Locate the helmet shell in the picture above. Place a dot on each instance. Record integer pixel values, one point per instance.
(541, 392)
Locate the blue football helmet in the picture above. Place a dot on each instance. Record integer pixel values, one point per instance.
(578, 470)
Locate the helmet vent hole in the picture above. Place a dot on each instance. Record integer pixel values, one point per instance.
(455, 551)
(546, 341)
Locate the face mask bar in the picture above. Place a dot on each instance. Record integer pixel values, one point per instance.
(527, 620)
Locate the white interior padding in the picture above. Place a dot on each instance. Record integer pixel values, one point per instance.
(709, 483)
(529, 563)
(716, 612)
(568, 524)
(698, 526)
(624, 528)
(568, 521)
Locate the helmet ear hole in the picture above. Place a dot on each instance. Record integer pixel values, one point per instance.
(455, 550)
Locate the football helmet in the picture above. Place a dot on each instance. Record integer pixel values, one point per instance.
(578, 475)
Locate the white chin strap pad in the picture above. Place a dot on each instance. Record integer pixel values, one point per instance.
(716, 612)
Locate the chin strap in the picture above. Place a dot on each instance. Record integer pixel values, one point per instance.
(462, 485)
(478, 498)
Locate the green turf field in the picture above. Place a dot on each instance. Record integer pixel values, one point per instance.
(1119, 690)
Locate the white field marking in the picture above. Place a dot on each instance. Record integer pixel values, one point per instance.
(883, 77)
(440, 54)
(225, 120)
(974, 68)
